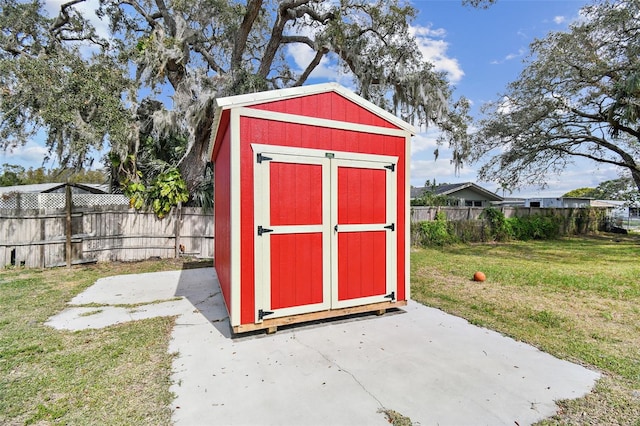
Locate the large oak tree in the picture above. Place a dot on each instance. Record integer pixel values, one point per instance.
(578, 97)
(148, 88)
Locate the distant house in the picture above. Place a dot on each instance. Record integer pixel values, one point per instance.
(558, 202)
(468, 194)
(615, 208)
(56, 188)
(52, 196)
(620, 209)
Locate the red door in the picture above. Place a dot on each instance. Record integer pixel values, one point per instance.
(325, 227)
(364, 211)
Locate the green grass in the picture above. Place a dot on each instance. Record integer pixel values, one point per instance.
(118, 375)
(576, 298)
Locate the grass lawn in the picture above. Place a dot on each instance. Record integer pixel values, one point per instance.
(576, 298)
(117, 375)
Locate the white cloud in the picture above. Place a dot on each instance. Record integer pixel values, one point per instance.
(434, 49)
(509, 57)
(506, 106)
(559, 19)
(425, 166)
(420, 31)
(441, 170)
(582, 173)
(29, 155)
(424, 141)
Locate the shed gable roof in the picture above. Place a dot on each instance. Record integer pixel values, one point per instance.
(254, 99)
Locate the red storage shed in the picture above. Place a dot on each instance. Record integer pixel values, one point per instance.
(311, 206)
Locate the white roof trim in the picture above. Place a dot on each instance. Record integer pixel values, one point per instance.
(296, 92)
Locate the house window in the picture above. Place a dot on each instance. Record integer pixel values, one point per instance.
(634, 211)
(470, 203)
(534, 204)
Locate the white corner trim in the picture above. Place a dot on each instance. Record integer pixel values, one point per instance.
(235, 216)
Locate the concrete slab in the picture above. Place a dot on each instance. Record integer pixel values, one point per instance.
(435, 368)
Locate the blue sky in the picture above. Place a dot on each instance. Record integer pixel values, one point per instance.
(488, 47)
(482, 51)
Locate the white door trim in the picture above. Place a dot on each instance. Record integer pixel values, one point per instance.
(330, 162)
(262, 217)
(368, 161)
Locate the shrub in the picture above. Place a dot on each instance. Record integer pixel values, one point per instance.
(536, 227)
(500, 228)
(436, 232)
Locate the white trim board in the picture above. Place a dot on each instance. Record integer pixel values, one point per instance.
(314, 89)
(232, 102)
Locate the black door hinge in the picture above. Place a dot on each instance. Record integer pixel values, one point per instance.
(262, 314)
(262, 230)
(391, 296)
(391, 167)
(262, 158)
(392, 227)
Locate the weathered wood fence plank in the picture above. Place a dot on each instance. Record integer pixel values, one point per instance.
(37, 238)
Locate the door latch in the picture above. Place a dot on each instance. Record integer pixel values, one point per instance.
(262, 230)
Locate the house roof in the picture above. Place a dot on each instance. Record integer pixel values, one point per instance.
(223, 104)
(607, 203)
(452, 188)
(41, 188)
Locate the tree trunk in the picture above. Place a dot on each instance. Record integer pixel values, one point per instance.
(635, 174)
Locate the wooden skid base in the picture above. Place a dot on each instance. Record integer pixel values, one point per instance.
(272, 324)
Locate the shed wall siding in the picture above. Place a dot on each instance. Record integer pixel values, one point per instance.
(222, 207)
(329, 106)
(297, 135)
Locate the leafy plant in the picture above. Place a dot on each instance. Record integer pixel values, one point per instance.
(436, 232)
(165, 192)
(498, 224)
(535, 227)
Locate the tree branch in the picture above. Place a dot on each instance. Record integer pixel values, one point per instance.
(150, 18)
(312, 65)
(623, 164)
(208, 58)
(298, 39)
(289, 11)
(253, 9)
(166, 16)
(63, 17)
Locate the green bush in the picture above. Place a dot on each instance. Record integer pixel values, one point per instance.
(499, 226)
(536, 227)
(437, 232)
(494, 226)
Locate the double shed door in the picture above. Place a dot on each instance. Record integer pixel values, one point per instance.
(325, 230)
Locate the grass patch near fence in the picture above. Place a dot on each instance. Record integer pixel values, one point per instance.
(116, 375)
(576, 298)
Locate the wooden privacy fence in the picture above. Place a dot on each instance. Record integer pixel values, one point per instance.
(468, 224)
(40, 237)
(456, 214)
